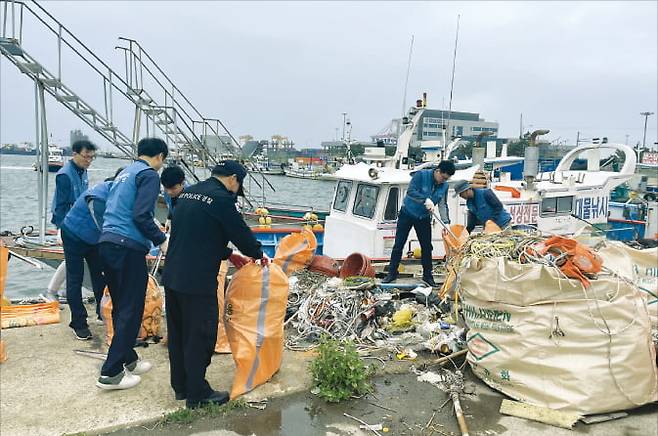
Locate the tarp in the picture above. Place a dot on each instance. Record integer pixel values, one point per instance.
(27, 315)
(552, 342)
(151, 319)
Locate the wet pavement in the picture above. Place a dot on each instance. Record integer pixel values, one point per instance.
(401, 404)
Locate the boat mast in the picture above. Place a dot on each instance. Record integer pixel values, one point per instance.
(452, 80)
(406, 83)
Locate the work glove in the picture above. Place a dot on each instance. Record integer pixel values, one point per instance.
(264, 261)
(238, 260)
(59, 237)
(429, 204)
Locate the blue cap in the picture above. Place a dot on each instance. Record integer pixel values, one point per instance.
(461, 186)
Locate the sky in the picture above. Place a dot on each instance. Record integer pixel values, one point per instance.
(293, 68)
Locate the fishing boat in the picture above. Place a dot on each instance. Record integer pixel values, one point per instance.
(367, 196)
(303, 171)
(55, 159)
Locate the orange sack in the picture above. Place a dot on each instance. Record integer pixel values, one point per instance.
(256, 302)
(296, 251)
(221, 345)
(151, 319)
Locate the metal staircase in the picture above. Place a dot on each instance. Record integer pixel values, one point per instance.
(182, 125)
(174, 114)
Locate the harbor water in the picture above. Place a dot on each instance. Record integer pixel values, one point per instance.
(19, 207)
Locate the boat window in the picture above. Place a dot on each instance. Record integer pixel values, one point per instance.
(391, 211)
(549, 206)
(366, 200)
(343, 190)
(556, 206)
(564, 204)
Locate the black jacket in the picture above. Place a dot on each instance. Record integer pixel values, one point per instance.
(204, 222)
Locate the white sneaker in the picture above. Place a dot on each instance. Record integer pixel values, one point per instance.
(123, 380)
(139, 367)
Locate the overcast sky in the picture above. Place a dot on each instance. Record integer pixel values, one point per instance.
(293, 68)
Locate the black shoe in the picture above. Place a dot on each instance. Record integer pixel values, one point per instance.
(180, 396)
(216, 398)
(430, 282)
(390, 278)
(83, 334)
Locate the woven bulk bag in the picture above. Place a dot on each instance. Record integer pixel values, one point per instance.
(553, 342)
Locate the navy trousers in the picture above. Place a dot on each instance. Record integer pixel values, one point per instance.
(127, 276)
(423, 227)
(191, 336)
(76, 251)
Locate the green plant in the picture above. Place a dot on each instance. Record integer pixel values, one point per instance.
(186, 416)
(338, 372)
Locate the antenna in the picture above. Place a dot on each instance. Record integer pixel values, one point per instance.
(452, 80)
(406, 82)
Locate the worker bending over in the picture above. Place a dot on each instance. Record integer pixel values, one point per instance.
(173, 182)
(483, 205)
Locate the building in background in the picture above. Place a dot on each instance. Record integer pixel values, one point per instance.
(77, 135)
(433, 122)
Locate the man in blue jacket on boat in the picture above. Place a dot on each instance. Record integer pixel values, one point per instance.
(483, 205)
(81, 230)
(427, 189)
(128, 231)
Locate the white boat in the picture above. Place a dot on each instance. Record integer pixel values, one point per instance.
(299, 172)
(55, 159)
(368, 196)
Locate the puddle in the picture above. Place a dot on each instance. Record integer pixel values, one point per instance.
(399, 402)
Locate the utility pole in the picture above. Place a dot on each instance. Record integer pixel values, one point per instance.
(521, 126)
(344, 116)
(644, 137)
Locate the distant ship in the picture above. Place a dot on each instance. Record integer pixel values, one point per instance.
(55, 159)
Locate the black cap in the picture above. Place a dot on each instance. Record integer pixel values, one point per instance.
(230, 167)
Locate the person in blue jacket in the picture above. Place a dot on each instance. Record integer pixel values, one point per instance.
(128, 231)
(173, 182)
(427, 189)
(81, 230)
(483, 205)
(70, 181)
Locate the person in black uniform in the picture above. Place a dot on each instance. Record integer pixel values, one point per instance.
(206, 220)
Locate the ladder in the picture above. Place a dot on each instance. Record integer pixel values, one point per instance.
(13, 16)
(174, 115)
